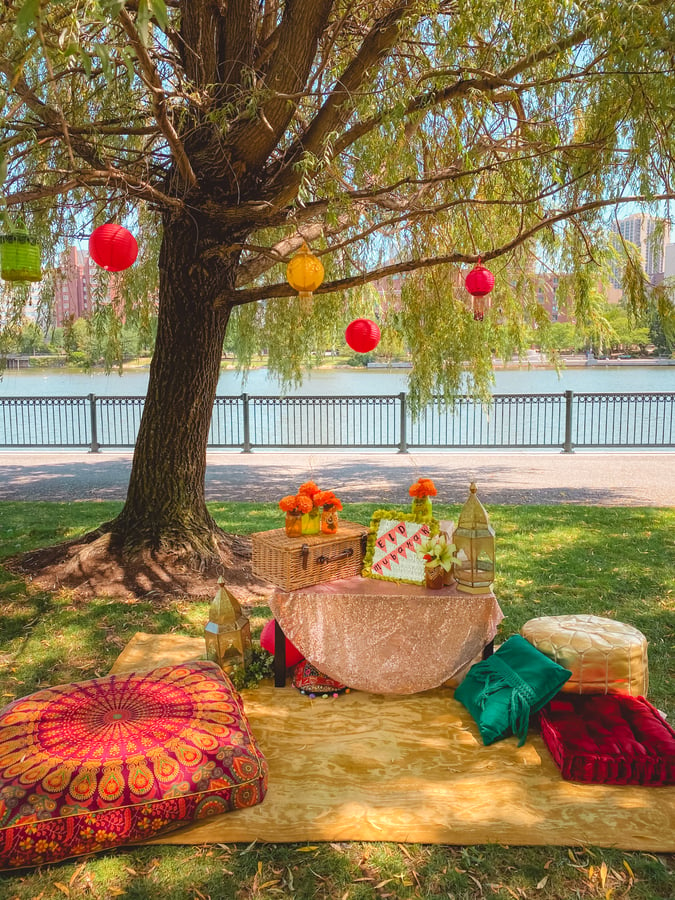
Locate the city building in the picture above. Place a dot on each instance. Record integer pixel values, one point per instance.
(73, 285)
(641, 230)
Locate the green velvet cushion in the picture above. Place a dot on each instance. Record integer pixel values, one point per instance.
(503, 690)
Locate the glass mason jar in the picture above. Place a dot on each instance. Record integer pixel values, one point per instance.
(329, 520)
(434, 576)
(311, 521)
(421, 507)
(293, 524)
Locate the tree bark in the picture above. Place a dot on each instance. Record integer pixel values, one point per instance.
(165, 509)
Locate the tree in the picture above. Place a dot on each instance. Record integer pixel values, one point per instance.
(396, 136)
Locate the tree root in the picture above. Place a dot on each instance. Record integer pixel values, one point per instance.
(100, 564)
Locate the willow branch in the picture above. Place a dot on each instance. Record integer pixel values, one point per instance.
(269, 292)
(95, 178)
(158, 99)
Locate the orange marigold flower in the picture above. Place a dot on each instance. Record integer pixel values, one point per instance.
(327, 499)
(309, 488)
(423, 487)
(295, 503)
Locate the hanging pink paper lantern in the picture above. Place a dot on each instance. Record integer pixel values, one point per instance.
(479, 282)
(113, 247)
(362, 335)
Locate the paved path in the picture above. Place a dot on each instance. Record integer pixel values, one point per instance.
(595, 478)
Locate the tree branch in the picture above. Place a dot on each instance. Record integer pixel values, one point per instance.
(158, 99)
(94, 178)
(269, 292)
(337, 108)
(297, 39)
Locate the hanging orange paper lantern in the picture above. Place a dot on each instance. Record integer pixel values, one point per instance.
(113, 247)
(479, 282)
(304, 273)
(362, 335)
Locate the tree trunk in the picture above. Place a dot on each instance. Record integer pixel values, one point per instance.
(165, 509)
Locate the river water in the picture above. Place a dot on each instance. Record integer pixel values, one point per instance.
(627, 377)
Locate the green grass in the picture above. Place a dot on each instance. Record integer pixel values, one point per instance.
(550, 560)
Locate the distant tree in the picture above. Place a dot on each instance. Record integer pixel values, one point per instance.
(32, 339)
(396, 136)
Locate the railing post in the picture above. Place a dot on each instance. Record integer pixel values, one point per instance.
(403, 443)
(568, 447)
(95, 446)
(246, 424)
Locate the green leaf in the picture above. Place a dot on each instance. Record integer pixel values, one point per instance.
(160, 13)
(26, 17)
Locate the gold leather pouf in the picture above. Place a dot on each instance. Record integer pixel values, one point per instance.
(604, 656)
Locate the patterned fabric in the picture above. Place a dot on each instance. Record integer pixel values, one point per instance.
(308, 680)
(609, 739)
(98, 763)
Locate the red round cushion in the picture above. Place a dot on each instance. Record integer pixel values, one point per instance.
(293, 655)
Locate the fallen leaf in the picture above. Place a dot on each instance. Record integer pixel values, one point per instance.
(629, 870)
(542, 883)
(603, 874)
(382, 883)
(76, 872)
(62, 887)
(306, 849)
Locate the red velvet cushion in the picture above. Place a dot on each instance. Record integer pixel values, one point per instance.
(98, 763)
(609, 739)
(293, 655)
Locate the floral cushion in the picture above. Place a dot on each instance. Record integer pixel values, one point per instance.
(308, 680)
(122, 758)
(609, 739)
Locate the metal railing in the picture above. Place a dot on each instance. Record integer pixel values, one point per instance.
(565, 421)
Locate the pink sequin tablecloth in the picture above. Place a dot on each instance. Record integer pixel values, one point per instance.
(384, 637)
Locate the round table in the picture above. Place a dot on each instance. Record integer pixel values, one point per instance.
(386, 637)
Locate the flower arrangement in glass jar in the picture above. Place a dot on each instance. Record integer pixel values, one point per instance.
(330, 505)
(295, 506)
(438, 554)
(422, 492)
(311, 521)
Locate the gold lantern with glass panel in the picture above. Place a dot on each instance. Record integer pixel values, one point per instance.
(228, 632)
(474, 539)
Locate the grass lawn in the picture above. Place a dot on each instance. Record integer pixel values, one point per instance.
(551, 560)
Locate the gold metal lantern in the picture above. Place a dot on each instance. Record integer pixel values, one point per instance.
(474, 539)
(228, 632)
(304, 273)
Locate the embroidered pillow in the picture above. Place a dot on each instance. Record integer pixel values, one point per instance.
(503, 690)
(308, 680)
(94, 764)
(609, 739)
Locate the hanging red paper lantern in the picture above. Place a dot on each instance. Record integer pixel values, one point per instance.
(362, 335)
(113, 247)
(479, 282)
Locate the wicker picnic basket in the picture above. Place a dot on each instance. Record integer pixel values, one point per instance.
(296, 562)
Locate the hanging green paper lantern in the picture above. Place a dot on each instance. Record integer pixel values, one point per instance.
(20, 256)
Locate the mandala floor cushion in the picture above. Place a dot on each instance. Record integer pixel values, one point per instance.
(609, 739)
(122, 758)
(503, 690)
(603, 655)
